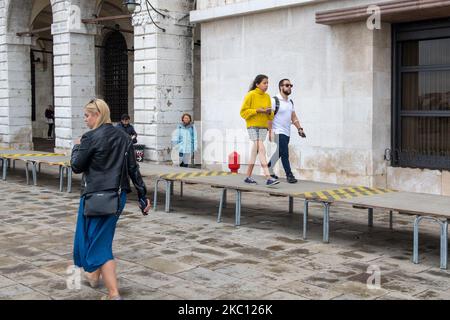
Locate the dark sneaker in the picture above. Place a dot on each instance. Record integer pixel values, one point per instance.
(291, 179)
(272, 182)
(274, 176)
(250, 180)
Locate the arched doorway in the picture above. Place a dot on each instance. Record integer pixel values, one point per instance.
(42, 85)
(115, 74)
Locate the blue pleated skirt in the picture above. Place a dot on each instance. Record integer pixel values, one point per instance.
(93, 238)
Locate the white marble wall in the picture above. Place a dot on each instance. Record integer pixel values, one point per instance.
(15, 87)
(204, 4)
(74, 68)
(163, 76)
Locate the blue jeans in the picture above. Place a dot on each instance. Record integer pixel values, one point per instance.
(282, 151)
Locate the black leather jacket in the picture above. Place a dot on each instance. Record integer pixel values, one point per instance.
(100, 157)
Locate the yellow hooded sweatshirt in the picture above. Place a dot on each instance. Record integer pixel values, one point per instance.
(254, 100)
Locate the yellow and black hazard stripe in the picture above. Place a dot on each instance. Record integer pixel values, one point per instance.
(18, 155)
(178, 175)
(343, 193)
(65, 164)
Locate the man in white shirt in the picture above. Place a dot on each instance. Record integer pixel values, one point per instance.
(281, 127)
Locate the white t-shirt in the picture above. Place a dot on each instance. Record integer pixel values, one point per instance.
(281, 124)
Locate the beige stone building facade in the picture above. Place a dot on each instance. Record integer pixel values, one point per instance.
(371, 80)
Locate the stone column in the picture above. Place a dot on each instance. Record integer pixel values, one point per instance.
(382, 84)
(163, 75)
(15, 85)
(74, 68)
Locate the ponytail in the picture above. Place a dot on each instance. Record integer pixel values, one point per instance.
(259, 78)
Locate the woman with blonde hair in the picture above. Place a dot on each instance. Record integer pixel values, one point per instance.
(106, 157)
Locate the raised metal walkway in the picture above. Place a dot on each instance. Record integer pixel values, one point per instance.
(422, 206)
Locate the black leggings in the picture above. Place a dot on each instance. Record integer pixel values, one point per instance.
(50, 130)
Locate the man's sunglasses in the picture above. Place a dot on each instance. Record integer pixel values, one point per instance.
(288, 85)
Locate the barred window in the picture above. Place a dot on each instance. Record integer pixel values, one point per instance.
(421, 110)
(115, 68)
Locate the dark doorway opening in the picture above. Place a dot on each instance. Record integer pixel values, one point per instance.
(115, 74)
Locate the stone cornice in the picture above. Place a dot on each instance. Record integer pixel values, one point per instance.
(245, 8)
(392, 11)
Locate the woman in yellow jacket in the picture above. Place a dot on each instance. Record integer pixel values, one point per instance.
(257, 112)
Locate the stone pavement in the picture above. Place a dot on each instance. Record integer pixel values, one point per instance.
(187, 255)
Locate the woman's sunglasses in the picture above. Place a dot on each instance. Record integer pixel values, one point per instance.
(94, 101)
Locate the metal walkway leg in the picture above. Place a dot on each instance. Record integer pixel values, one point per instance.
(34, 168)
(444, 244)
(238, 208)
(5, 168)
(221, 205)
(416, 240)
(224, 205)
(305, 218)
(291, 204)
(326, 222)
(391, 220)
(370, 217)
(444, 240)
(27, 173)
(169, 186)
(69, 179)
(61, 178)
(181, 189)
(155, 195)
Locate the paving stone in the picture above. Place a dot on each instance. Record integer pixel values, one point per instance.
(150, 278)
(249, 289)
(403, 288)
(16, 268)
(187, 255)
(5, 282)
(433, 295)
(164, 265)
(32, 296)
(281, 295)
(58, 290)
(11, 292)
(396, 296)
(306, 290)
(358, 289)
(189, 290)
(6, 261)
(208, 278)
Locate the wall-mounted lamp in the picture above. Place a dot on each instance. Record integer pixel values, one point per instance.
(131, 5)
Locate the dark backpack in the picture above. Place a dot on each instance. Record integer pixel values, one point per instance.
(277, 104)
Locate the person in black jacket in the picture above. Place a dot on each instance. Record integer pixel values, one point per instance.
(100, 156)
(50, 119)
(125, 125)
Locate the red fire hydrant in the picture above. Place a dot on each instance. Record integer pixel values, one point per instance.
(234, 162)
